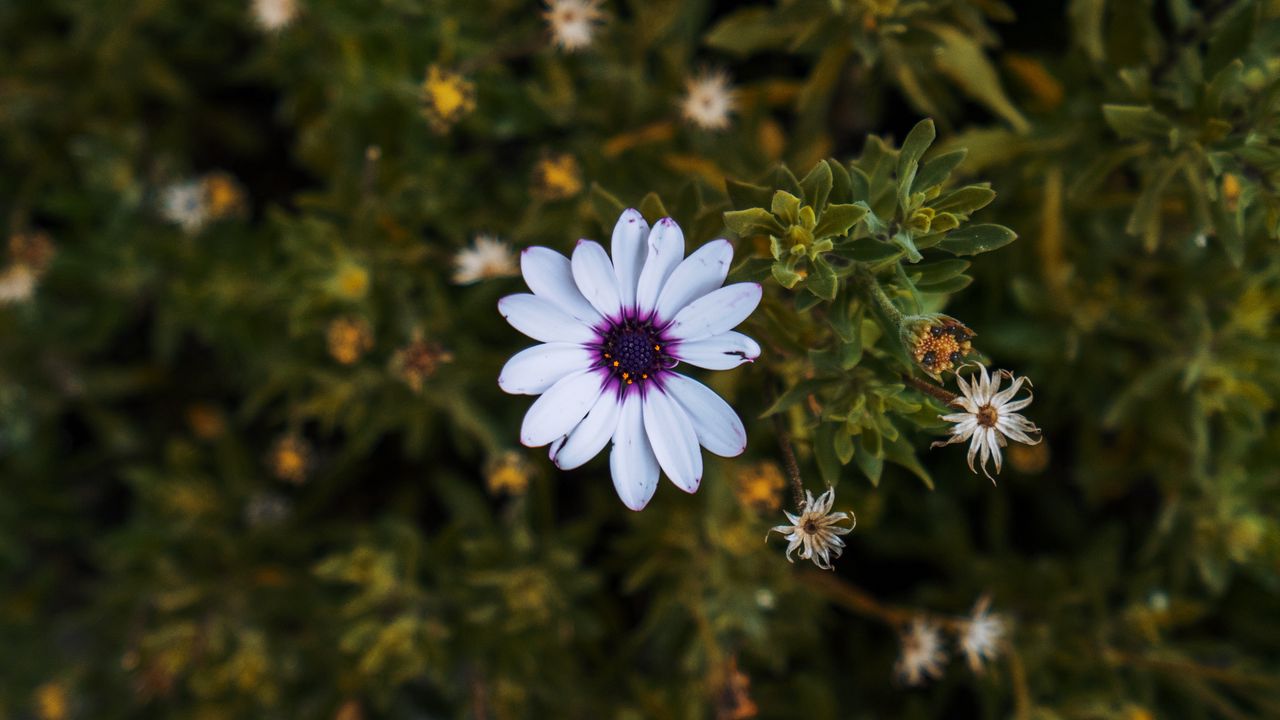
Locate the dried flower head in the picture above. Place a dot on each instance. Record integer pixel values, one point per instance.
(557, 177)
(760, 486)
(733, 700)
(349, 339)
(447, 97)
(708, 100)
(990, 415)
(816, 530)
(508, 474)
(290, 459)
(981, 635)
(416, 362)
(572, 22)
(922, 654)
(937, 343)
(485, 259)
(274, 15)
(17, 284)
(33, 249)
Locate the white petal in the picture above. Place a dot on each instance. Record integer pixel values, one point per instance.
(550, 277)
(666, 248)
(533, 370)
(716, 312)
(1015, 406)
(717, 426)
(1002, 397)
(591, 435)
(632, 462)
(560, 408)
(673, 439)
(593, 272)
(543, 321)
(695, 276)
(629, 248)
(718, 352)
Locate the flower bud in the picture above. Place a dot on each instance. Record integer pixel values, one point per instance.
(938, 343)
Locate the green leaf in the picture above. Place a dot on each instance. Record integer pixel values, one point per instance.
(786, 277)
(785, 206)
(936, 171)
(817, 185)
(936, 272)
(859, 185)
(822, 280)
(1086, 22)
(753, 221)
(869, 463)
(824, 454)
(975, 239)
(783, 179)
(751, 270)
(745, 195)
(837, 219)
(949, 285)
(900, 452)
(843, 445)
(961, 58)
(795, 394)
(750, 30)
(904, 240)
(842, 183)
(966, 200)
(913, 148)
(1137, 121)
(842, 321)
(652, 209)
(605, 207)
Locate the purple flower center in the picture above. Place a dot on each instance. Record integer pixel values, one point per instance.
(634, 351)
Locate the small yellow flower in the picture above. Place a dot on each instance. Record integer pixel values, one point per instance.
(51, 701)
(1231, 192)
(223, 195)
(290, 459)
(447, 97)
(508, 475)
(416, 362)
(349, 339)
(557, 177)
(760, 487)
(351, 282)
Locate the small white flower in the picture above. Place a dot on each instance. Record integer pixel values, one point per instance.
(573, 22)
(614, 331)
(990, 415)
(486, 258)
(982, 635)
(184, 204)
(273, 15)
(922, 654)
(17, 284)
(816, 531)
(708, 100)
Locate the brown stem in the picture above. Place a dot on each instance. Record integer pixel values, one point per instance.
(853, 598)
(793, 467)
(1187, 668)
(930, 389)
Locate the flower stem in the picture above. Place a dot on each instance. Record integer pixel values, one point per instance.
(877, 295)
(930, 389)
(793, 468)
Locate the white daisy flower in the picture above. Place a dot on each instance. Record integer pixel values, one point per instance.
(816, 531)
(982, 634)
(922, 654)
(708, 100)
(990, 415)
(273, 15)
(184, 204)
(573, 22)
(614, 331)
(486, 258)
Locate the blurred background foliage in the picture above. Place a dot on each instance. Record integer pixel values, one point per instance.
(256, 464)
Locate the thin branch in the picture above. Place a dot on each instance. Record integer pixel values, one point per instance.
(930, 389)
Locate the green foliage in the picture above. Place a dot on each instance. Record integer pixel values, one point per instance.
(255, 462)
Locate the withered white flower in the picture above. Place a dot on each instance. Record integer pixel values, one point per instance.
(816, 530)
(613, 329)
(922, 654)
(990, 415)
(185, 204)
(17, 283)
(981, 636)
(486, 258)
(708, 100)
(273, 15)
(573, 22)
